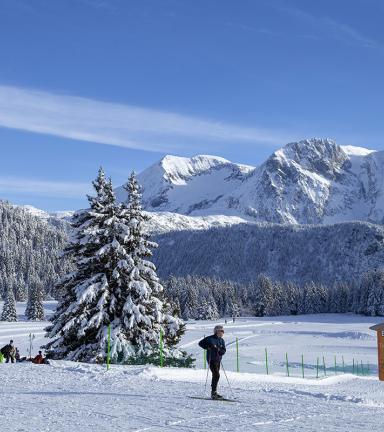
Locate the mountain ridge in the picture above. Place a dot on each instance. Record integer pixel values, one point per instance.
(308, 182)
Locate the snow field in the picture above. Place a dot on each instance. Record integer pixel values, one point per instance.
(67, 395)
(313, 337)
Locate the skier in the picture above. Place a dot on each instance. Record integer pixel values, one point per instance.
(215, 347)
(7, 352)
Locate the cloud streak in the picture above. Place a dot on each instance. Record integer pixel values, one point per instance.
(116, 124)
(23, 186)
(327, 28)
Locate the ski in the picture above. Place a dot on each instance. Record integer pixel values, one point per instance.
(220, 400)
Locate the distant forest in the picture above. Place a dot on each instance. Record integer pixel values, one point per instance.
(28, 248)
(302, 254)
(210, 298)
(221, 272)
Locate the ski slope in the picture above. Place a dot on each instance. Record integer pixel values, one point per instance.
(65, 395)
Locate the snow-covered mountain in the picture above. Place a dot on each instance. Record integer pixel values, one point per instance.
(189, 186)
(63, 215)
(308, 182)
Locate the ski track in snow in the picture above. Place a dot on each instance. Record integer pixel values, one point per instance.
(65, 396)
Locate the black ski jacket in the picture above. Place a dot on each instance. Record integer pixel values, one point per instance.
(212, 354)
(6, 349)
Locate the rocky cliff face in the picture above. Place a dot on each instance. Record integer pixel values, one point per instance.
(308, 182)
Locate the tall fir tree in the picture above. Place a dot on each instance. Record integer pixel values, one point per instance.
(35, 309)
(143, 312)
(335, 305)
(113, 283)
(9, 309)
(202, 309)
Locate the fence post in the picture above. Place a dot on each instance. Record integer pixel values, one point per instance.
(343, 363)
(317, 368)
(325, 372)
(237, 353)
(368, 368)
(205, 358)
(161, 347)
(266, 359)
(109, 343)
(362, 368)
(357, 368)
(353, 370)
(286, 355)
(302, 363)
(335, 367)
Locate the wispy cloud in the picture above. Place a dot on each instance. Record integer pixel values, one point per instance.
(255, 30)
(121, 125)
(100, 4)
(326, 28)
(24, 186)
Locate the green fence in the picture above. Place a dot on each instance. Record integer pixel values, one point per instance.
(234, 361)
(297, 367)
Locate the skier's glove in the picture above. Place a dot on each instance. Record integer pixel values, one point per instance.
(216, 348)
(209, 346)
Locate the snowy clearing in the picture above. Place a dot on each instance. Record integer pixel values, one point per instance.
(64, 395)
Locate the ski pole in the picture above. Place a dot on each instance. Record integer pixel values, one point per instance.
(206, 380)
(221, 362)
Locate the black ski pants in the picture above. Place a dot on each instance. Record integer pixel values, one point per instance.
(215, 369)
(8, 357)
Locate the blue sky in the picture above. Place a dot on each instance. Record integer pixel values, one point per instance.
(121, 83)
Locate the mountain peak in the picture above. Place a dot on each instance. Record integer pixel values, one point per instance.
(178, 169)
(313, 181)
(322, 157)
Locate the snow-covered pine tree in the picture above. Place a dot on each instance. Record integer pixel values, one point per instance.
(202, 309)
(309, 298)
(172, 326)
(34, 310)
(344, 295)
(375, 293)
(285, 309)
(292, 299)
(79, 324)
(351, 295)
(228, 307)
(113, 283)
(365, 283)
(191, 300)
(263, 296)
(143, 312)
(235, 310)
(335, 305)
(9, 309)
(22, 291)
(323, 298)
(277, 292)
(213, 313)
(302, 303)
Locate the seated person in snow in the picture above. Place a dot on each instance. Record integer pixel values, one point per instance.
(38, 359)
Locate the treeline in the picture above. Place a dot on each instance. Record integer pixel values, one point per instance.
(28, 248)
(210, 298)
(301, 254)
